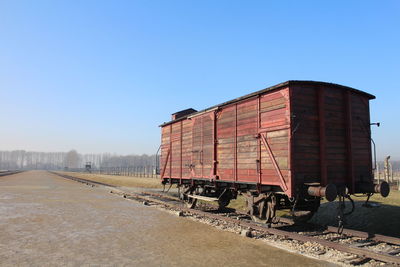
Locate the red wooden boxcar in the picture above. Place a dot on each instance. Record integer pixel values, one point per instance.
(283, 147)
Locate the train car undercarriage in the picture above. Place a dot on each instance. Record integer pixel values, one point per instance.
(263, 201)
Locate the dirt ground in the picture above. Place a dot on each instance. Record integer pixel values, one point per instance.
(46, 220)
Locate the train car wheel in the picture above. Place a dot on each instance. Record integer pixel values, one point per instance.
(262, 209)
(224, 200)
(183, 192)
(191, 203)
(222, 203)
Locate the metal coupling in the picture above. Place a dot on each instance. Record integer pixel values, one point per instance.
(329, 191)
(383, 188)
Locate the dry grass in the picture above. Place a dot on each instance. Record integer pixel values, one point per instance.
(238, 204)
(126, 181)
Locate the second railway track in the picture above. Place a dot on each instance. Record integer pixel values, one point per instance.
(362, 245)
(5, 173)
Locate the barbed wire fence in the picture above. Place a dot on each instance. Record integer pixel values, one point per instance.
(149, 171)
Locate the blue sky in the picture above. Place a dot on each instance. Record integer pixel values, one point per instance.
(100, 76)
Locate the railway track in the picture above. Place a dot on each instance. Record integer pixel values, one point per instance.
(363, 246)
(4, 173)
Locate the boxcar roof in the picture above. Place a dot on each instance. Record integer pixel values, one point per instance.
(274, 87)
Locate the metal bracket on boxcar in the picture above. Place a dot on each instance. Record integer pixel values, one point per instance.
(341, 219)
(366, 203)
(367, 130)
(294, 116)
(295, 128)
(158, 160)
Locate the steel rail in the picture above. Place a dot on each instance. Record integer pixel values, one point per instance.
(380, 256)
(5, 173)
(81, 180)
(366, 235)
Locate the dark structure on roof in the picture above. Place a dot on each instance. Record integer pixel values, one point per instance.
(182, 113)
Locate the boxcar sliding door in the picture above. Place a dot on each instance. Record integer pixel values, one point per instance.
(202, 146)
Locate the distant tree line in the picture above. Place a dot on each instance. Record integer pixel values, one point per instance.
(31, 160)
(28, 160)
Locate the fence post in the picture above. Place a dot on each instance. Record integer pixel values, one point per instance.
(398, 182)
(391, 172)
(378, 174)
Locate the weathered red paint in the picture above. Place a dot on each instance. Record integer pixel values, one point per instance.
(288, 135)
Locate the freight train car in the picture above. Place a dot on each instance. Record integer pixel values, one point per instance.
(284, 147)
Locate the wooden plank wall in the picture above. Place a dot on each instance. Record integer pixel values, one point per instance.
(176, 137)
(186, 148)
(305, 137)
(176, 153)
(165, 147)
(247, 141)
(197, 146)
(345, 151)
(275, 121)
(207, 153)
(361, 146)
(226, 149)
(237, 142)
(203, 145)
(237, 129)
(336, 135)
(283, 121)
